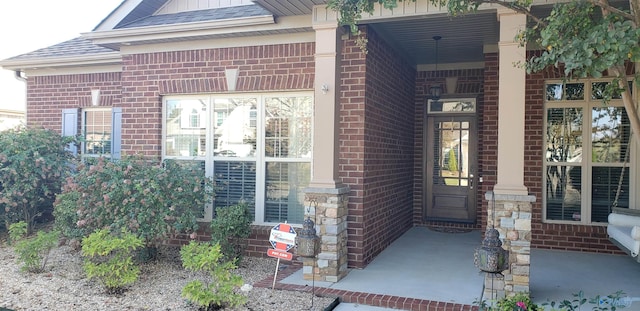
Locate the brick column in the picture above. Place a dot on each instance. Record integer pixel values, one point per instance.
(329, 209)
(513, 222)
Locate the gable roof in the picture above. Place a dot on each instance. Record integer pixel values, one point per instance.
(199, 16)
(141, 22)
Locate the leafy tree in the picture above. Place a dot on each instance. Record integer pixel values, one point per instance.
(583, 38)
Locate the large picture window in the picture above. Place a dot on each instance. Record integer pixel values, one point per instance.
(587, 153)
(256, 147)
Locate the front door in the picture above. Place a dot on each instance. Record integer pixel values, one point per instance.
(451, 162)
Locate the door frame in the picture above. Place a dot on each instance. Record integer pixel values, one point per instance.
(449, 114)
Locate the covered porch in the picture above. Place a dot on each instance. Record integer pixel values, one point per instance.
(431, 269)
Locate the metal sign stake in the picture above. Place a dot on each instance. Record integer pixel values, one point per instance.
(275, 275)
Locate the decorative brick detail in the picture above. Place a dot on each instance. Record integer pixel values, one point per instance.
(512, 214)
(329, 209)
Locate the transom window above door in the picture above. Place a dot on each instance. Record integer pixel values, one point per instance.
(587, 153)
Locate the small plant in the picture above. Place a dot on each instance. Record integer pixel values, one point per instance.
(517, 302)
(17, 231)
(34, 252)
(219, 292)
(611, 302)
(110, 259)
(230, 228)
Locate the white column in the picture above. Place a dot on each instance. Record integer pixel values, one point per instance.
(511, 106)
(327, 106)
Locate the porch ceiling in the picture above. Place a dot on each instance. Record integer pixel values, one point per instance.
(463, 38)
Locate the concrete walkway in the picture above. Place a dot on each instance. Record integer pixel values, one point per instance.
(425, 269)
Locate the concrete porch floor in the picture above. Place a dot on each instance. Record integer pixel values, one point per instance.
(430, 270)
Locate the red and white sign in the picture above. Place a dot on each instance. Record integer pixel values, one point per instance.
(283, 237)
(279, 254)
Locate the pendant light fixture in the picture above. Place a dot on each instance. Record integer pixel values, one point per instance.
(435, 91)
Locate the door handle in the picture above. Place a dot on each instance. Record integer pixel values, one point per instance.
(471, 181)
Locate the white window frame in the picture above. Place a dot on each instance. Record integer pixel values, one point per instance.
(587, 105)
(259, 158)
(83, 113)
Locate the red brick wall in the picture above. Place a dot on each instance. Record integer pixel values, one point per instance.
(376, 152)
(48, 95)
(146, 77)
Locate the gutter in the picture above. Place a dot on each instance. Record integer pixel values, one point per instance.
(19, 74)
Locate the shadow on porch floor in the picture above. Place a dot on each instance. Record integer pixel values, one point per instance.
(430, 270)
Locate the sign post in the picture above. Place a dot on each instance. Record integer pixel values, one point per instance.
(282, 238)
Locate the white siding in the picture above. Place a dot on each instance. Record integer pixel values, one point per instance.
(176, 6)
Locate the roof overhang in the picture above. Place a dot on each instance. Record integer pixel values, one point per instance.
(179, 32)
(102, 59)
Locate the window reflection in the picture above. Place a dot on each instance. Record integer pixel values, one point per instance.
(235, 130)
(185, 128)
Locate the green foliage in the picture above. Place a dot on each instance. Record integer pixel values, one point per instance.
(219, 292)
(149, 200)
(586, 43)
(453, 161)
(34, 252)
(33, 163)
(230, 228)
(109, 258)
(17, 231)
(65, 213)
(517, 302)
(610, 302)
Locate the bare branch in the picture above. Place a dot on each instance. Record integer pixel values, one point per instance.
(605, 5)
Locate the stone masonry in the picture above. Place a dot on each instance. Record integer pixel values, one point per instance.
(513, 222)
(328, 208)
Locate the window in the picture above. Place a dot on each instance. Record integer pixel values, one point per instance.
(587, 153)
(256, 147)
(96, 130)
(100, 129)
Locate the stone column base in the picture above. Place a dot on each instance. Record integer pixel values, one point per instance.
(328, 209)
(512, 214)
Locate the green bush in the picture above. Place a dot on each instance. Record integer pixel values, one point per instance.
(110, 259)
(17, 231)
(65, 213)
(517, 302)
(220, 291)
(150, 201)
(34, 252)
(231, 228)
(33, 163)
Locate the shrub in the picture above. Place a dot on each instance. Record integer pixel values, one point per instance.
(230, 228)
(33, 163)
(17, 231)
(110, 259)
(220, 291)
(147, 200)
(65, 213)
(34, 252)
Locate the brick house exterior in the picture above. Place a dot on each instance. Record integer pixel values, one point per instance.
(380, 102)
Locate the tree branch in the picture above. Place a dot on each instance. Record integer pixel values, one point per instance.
(605, 5)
